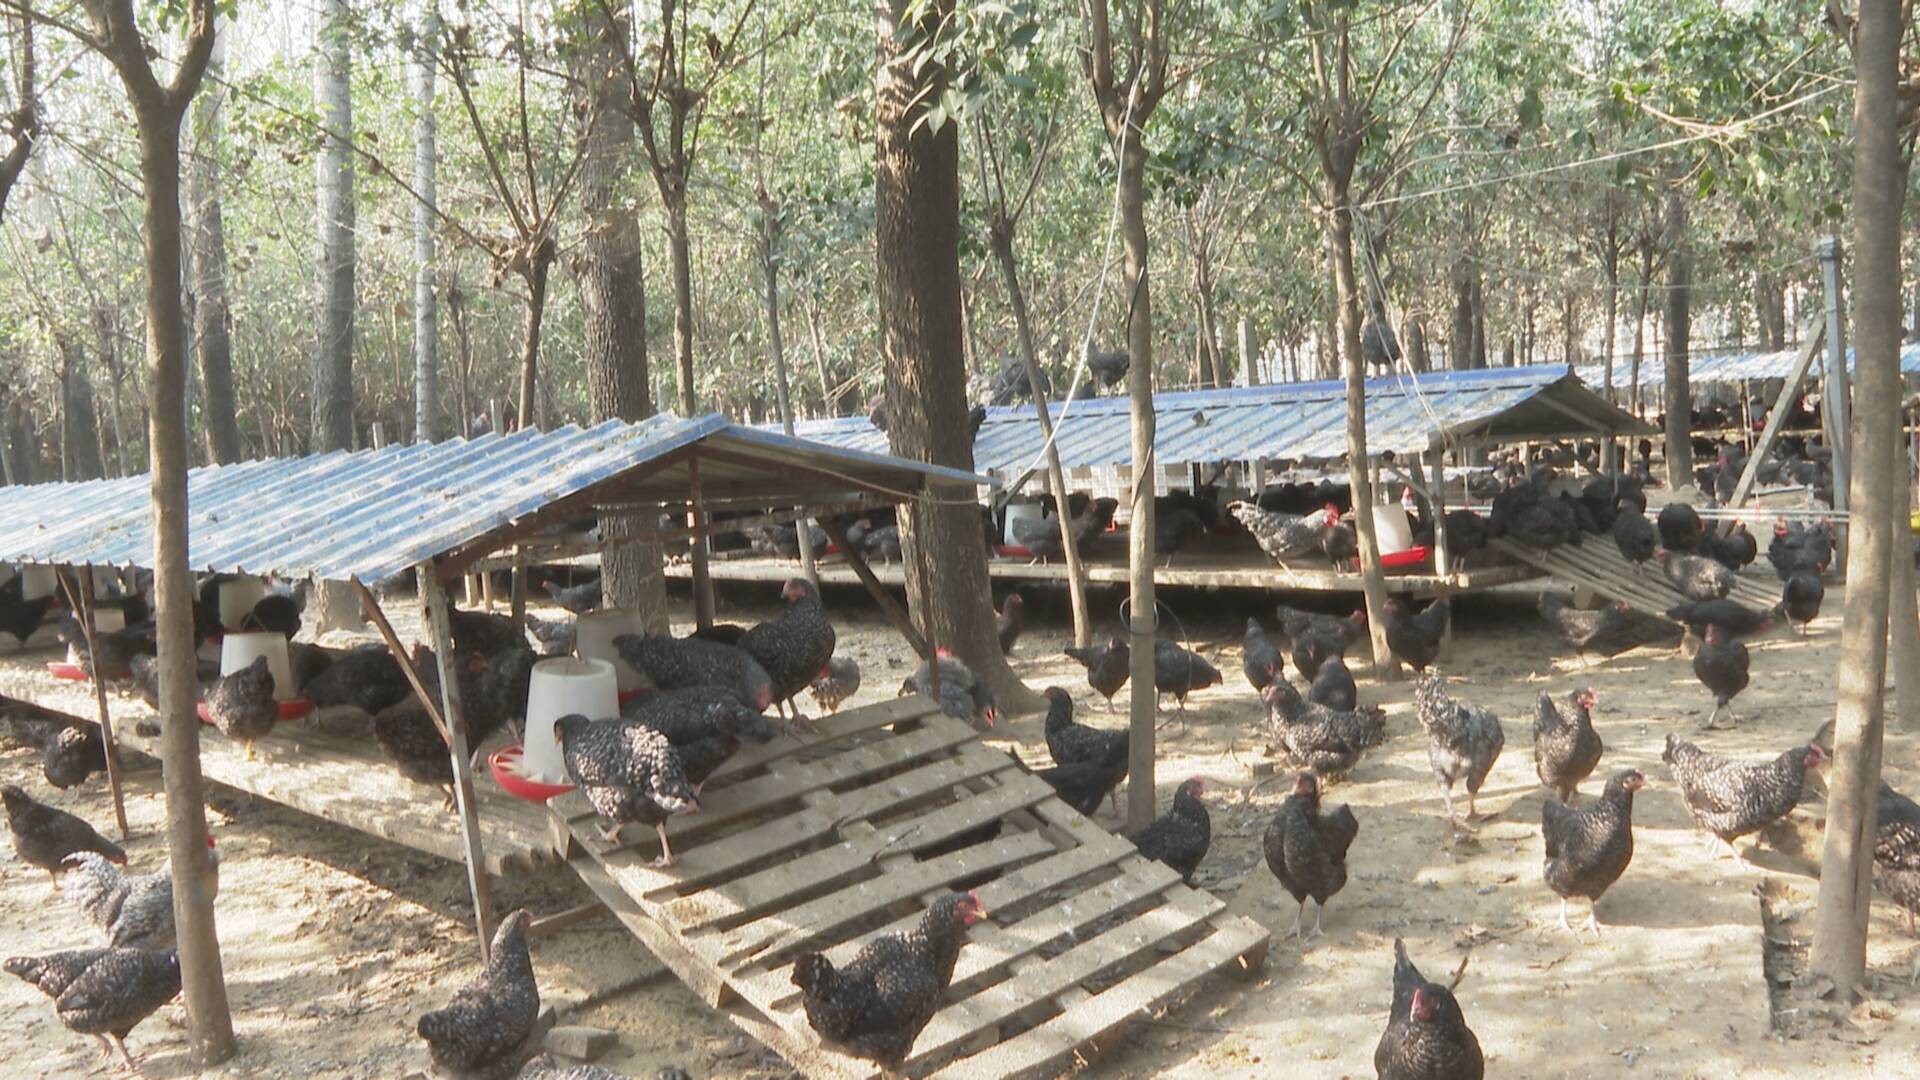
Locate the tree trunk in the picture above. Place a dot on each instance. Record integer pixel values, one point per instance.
(1678, 337)
(680, 254)
(1210, 366)
(534, 319)
(79, 435)
(336, 607)
(1610, 265)
(105, 335)
(1879, 185)
(1415, 331)
(1373, 583)
(426, 160)
(1769, 310)
(1143, 610)
(613, 302)
(917, 290)
(212, 326)
(1640, 298)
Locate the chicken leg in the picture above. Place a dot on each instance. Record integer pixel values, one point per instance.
(131, 1063)
(1299, 922)
(666, 849)
(1319, 912)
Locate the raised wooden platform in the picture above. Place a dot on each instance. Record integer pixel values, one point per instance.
(822, 843)
(331, 774)
(1598, 565)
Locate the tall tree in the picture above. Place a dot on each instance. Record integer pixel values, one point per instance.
(1883, 124)
(212, 329)
(917, 294)
(613, 294)
(1678, 342)
(424, 61)
(21, 126)
(331, 398)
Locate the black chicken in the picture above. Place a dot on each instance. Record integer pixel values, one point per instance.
(1633, 534)
(484, 632)
(1801, 597)
(1316, 647)
(1733, 551)
(1730, 799)
(405, 732)
(484, 1031)
(1107, 666)
(1589, 848)
(69, 753)
(1598, 630)
(1565, 747)
(1896, 851)
(1073, 743)
(1108, 368)
(1679, 526)
(1010, 622)
(1735, 618)
(21, 618)
(1180, 837)
(837, 681)
(276, 613)
(1721, 665)
(1529, 515)
(1085, 785)
(1427, 1038)
(1295, 623)
(1172, 531)
(794, 645)
(111, 655)
(671, 663)
(1259, 660)
(1463, 741)
(367, 678)
(104, 993)
(1466, 532)
(579, 599)
(1333, 686)
(1180, 672)
(242, 706)
(1329, 741)
(1800, 549)
(876, 1006)
(44, 836)
(628, 772)
(1307, 849)
(1415, 638)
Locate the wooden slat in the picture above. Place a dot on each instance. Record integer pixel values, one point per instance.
(1052, 1046)
(828, 729)
(699, 976)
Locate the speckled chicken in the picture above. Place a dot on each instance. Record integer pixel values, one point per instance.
(1333, 686)
(671, 663)
(1730, 799)
(1329, 741)
(482, 1032)
(1722, 666)
(1589, 848)
(628, 772)
(1696, 578)
(837, 681)
(241, 705)
(1427, 1037)
(1416, 638)
(1180, 672)
(1259, 660)
(1108, 666)
(1284, 537)
(1180, 837)
(704, 733)
(875, 1006)
(1463, 741)
(131, 910)
(44, 836)
(545, 1068)
(1011, 622)
(69, 753)
(1598, 630)
(794, 645)
(963, 694)
(484, 632)
(579, 599)
(1307, 849)
(1566, 749)
(1896, 851)
(104, 993)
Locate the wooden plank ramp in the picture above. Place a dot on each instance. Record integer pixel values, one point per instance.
(823, 842)
(1598, 565)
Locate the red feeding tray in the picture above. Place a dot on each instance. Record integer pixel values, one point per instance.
(297, 709)
(510, 774)
(60, 669)
(1410, 559)
(1012, 551)
(629, 695)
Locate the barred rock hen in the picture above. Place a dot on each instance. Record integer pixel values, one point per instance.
(704, 733)
(115, 649)
(963, 694)
(1328, 741)
(1801, 597)
(1463, 741)
(1427, 1037)
(104, 993)
(1598, 630)
(1694, 577)
(1180, 672)
(1735, 618)
(145, 673)
(545, 1068)
(1722, 666)
(628, 772)
(1633, 534)
(1284, 537)
(556, 638)
(44, 836)
(241, 705)
(1333, 686)
(1180, 837)
(1259, 660)
(1565, 747)
(70, 753)
(1010, 622)
(1589, 848)
(1108, 666)
(794, 645)
(1730, 799)
(579, 599)
(1307, 849)
(1679, 526)
(1415, 639)
(875, 1006)
(1896, 851)
(482, 1033)
(1073, 743)
(837, 681)
(133, 911)
(671, 663)
(484, 632)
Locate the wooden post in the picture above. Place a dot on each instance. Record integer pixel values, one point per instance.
(371, 605)
(519, 603)
(379, 436)
(1903, 614)
(697, 547)
(1834, 404)
(496, 416)
(80, 598)
(1777, 416)
(435, 599)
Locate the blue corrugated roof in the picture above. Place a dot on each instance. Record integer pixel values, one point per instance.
(372, 513)
(1286, 421)
(1730, 367)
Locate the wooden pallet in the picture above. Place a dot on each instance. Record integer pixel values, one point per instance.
(1599, 566)
(823, 843)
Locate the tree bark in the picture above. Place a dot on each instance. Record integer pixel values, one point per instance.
(1373, 582)
(1143, 612)
(534, 320)
(336, 607)
(79, 435)
(917, 290)
(426, 161)
(770, 229)
(212, 325)
(1679, 399)
(1641, 296)
(1879, 185)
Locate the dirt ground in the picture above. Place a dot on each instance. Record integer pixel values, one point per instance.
(335, 942)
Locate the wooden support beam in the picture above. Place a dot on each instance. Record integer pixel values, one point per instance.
(702, 576)
(1789, 393)
(80, 598)
(371, 606)
(434, 596)
(888, 605)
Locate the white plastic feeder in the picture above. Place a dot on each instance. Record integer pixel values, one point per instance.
(563, 687)
(1030, 511)
(37, 581)
(108, 619)
(593, 635)
(237, 598)
(1390, 525)
(238, 651)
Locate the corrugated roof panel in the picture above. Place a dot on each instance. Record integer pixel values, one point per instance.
(1731, 367)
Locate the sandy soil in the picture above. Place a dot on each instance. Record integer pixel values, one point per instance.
(335, 942)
